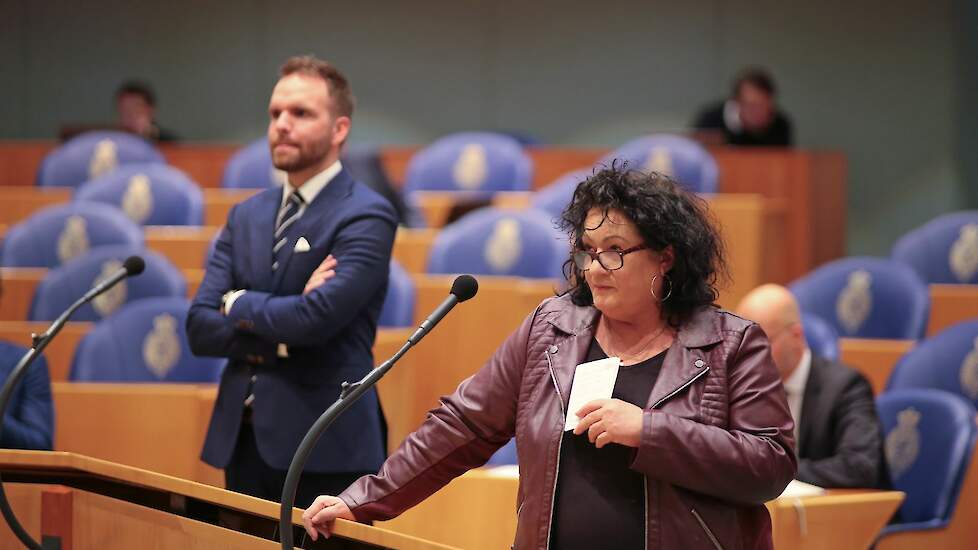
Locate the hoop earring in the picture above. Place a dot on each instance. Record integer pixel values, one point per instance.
(652, 288)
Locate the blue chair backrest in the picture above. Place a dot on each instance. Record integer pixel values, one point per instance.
(946, 361)
(930, 435)
(93, 154)
(944, 250)
(492, 241)
(150, 194)
(554, 198)
(505, 456)
(681, 158)
(63, 285)
(470, 161)
(251, 167)
(398, 309)
(56, 234)
(144, 341)
(864, 297)
(821, 336)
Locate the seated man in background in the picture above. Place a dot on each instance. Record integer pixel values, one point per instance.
(750, 116)
(135, 105)
(839, 436)
(29, 419)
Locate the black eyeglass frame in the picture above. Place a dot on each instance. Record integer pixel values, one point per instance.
(579, 256)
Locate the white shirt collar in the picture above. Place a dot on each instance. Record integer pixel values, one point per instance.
(314, 185)
(795, 384)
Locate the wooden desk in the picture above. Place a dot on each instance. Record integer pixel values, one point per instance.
(874, 358)
(218, 203)
(158, 427)
(478, 510)
(840, 519)
(18, 202)
(951, 304)
(185, 246)
(411, 248)
(111, 506)
(467, 337)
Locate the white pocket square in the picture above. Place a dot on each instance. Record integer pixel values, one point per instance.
(302, 245)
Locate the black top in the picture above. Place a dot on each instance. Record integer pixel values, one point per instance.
(600, 501)
(778, 134)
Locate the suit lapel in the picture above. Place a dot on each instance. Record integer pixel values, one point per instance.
(809, 404)
(322, 207)
(264, 225)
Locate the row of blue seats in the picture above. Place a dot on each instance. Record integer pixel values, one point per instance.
(465, 161)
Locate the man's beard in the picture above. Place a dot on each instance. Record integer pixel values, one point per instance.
(302, 160)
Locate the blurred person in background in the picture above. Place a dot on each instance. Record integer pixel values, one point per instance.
(749, 117)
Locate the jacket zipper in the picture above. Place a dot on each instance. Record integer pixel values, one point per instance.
(681, 388)
(646, 503)
(553, 378)
(706, 529)
(560, 442)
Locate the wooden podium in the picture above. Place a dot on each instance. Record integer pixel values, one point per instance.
(74, 502)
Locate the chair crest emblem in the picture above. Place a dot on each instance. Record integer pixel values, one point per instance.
(855, 301)
(660, 161)
(963, 257)
(903, 442)
(471, 168)
(109, 301)
(73, 240)
(137, 202)
(161, 348)
(105, 158)
(969, 373)
(504, 246)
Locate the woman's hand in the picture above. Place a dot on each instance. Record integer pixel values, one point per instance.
(321, 515)
(610, 421)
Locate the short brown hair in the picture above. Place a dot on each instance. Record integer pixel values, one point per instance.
(338, 85)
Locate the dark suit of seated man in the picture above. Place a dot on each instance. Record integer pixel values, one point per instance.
(838, 435)
(29, 421)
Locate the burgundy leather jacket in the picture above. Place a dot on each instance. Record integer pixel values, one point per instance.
(716, 438)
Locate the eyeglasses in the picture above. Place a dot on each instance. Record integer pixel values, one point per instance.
(609, 259)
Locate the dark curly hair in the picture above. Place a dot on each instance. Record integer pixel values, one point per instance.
(665, 214)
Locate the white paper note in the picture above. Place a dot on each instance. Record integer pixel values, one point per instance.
(594, 380)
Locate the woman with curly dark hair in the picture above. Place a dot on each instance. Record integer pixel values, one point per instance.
(695, 435)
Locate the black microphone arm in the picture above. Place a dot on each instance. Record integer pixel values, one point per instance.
(133, 266)
(464, 287)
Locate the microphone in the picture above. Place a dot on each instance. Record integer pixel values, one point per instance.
(464, 287)
(132, 266)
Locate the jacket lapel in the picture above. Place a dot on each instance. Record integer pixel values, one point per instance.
(685, 362)
(264, 225)
(325, 203)
(809, 402)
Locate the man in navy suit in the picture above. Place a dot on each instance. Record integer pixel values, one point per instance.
(291, 297)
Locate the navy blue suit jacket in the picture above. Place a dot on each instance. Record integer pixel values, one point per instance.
(329, 332)
(29, 422)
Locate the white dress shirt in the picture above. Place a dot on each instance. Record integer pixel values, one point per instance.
(794, 386)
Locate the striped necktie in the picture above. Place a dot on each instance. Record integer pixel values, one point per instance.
(287, 215)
